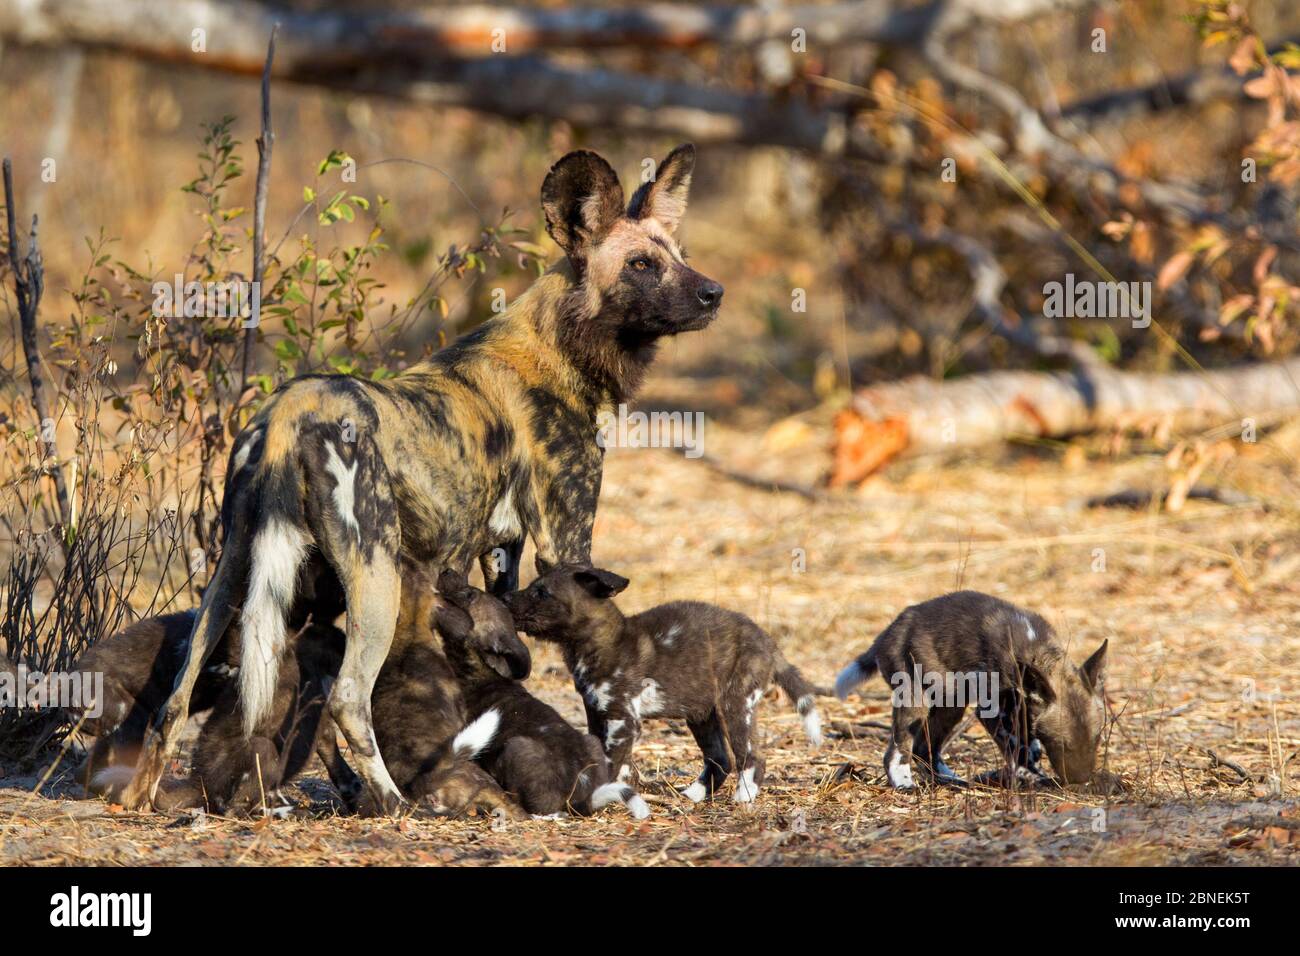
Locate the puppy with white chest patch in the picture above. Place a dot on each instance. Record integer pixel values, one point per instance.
(687, 660)
(968, 648)
(529, 749)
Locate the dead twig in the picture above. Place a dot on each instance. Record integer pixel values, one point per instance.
(264, 143)
(29, 283)
(1217, 761)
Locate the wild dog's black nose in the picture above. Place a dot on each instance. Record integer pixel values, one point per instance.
(710, 294)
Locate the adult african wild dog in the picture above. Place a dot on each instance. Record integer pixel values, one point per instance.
(491, 440)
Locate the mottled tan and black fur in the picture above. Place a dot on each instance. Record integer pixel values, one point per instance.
(696, 662)
(1043, 703)
(491, 441)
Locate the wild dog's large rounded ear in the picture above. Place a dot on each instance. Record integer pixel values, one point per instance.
(1036, 684)
(581, 198)
(510, 658)
(600, 583)
(664, 197)
(1094, 668)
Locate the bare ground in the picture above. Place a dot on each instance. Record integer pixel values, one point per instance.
(1202, 609)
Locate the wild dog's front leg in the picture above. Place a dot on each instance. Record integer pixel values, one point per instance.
(564, 507)
(501, 567)
(1020, 751)
(619, 733)
(717, 762)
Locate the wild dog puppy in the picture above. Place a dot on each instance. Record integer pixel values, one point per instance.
(1036, 700)
(492, 440)
(230, 772)
(139, 665)
(419, 710)
(688, 660)
(533, 752)
(238, 774)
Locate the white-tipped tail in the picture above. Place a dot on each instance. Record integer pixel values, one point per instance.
(471, 741)
(609, 793)
(278, 550)
(849, 678)
(112, 780)
(812, 719)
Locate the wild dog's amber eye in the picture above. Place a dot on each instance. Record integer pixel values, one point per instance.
(640, 264)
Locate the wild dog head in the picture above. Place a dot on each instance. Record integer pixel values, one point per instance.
(1068, 712)
(477, 630)
(633, 284)
(567, 603)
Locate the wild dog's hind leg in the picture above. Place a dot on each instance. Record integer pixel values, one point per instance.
(220, 602)
(898, 758)
(929, 741)
(739, 718)
(373, 593)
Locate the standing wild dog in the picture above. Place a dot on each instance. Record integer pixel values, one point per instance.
(692, 661)
(529, 749)
(492, 440)
(1039, 701)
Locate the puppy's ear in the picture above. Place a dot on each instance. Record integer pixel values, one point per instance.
(600, 583)
(452, 622)
(1037, 685)
(512, 661)
(1093, 670)
(455, 587)
(582, 199)
(664, 197)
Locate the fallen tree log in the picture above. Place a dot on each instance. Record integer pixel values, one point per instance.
(920, 415)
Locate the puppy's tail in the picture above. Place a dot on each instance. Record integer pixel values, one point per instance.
(473, 740)
(861, 670)
(609, 793)
(804, 696)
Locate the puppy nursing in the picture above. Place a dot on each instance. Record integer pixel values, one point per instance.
(523, 743)
(687, 660)
(1032, 698)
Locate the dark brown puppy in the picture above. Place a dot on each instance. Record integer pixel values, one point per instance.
(943, 654)
(235, 774)
(419, 711)
(531, 750)
(139, 665)
(688, 660)
(231, 773)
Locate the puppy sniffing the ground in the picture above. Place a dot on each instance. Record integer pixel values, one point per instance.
(529, 749)
(969, 648)
(687, 660)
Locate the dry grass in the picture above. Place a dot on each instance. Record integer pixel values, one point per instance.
(1196, 605)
